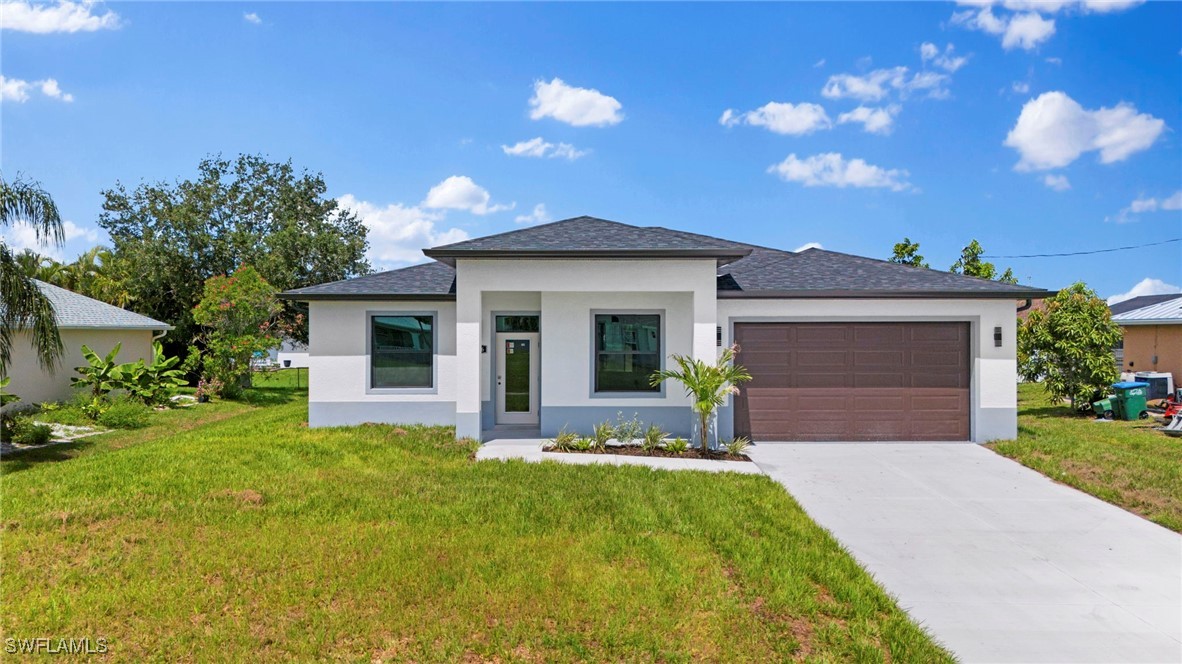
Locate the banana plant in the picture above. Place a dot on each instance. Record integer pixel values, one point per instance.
(101, 374)
(155, 382)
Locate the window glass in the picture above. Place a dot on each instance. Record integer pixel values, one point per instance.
(517, 323)
(402, 352)
(627, 352)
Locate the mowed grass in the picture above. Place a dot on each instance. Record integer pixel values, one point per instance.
(1125, 463)
(254, 537)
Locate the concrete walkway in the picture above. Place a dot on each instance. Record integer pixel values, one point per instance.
(1000, 563)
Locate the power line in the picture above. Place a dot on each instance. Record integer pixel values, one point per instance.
(1096, 251)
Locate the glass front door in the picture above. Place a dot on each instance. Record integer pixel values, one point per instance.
(517, 371)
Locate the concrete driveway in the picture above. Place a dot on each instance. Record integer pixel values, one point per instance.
(1000, 563)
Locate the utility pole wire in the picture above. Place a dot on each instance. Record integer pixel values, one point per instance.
(1084, 253)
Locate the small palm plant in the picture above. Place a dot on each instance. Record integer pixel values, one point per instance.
(706, 384)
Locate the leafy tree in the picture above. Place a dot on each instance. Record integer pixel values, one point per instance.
(96, 273)
(246, 211)
(22, 304)
(907, 253)
(706, 384)
(1068, 345)
(970, 264)
(240, 313)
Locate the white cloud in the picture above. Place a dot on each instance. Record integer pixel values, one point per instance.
(580, 107)
(459, 192)
(781, 118)
(1146, 286)
(832, 170)
(398, 233)
(64, 16)
(1020, 87)
(879, 83)
(537, 147)
(808, 245)
(819, 63)
(1056, 182)
(17, 90)
(1024, 31)
(1053, 130)
(874, 120)
(252, 17)
(538, 216)
(21, 236)
(1148, 204)
(1055, 6)
(946, 60)
(50, 88)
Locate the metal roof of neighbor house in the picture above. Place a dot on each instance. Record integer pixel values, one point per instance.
(1168, 312)
(746, 270)
(1140, 301)
(74, 311)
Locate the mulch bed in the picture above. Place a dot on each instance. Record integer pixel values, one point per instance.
(633, 450)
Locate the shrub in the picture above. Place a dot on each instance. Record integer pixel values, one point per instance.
(678, 445)
(25, 432)
(564, 441)
(95, 408)
(628, 430)
(653, 436)
(582, 445)
(125, 414)
(603, 433)
(738, 445)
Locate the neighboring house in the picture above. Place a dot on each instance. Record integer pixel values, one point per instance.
(80, 320)
(292, 352)
(560, 325)
(1152, 327)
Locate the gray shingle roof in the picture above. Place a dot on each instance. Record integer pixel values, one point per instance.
(427, 281)
(78, 311)
(820, 273)
(592, 237)
(746, 270)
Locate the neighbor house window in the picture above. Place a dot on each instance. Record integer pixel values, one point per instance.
(402, 350)
(627, 352)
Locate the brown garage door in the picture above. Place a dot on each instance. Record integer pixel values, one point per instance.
(854, 381)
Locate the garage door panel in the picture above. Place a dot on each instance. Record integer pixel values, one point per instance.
(854, 381)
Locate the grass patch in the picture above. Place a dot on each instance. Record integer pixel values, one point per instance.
(1125, 463)
(249, 536)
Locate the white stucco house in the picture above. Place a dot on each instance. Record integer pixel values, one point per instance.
(561, 324)
(81, 321)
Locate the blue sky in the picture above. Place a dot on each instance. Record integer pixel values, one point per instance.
(1039, 130)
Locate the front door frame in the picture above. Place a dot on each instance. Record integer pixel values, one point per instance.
(533, 416)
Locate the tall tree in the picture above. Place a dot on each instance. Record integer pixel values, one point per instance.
(246, 211)
(907, 253)
(970, 264)
(1068, 345)
(22, 304)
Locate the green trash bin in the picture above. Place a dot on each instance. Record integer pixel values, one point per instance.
(1129, 400)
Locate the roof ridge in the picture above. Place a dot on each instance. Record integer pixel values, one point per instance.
(534, 227)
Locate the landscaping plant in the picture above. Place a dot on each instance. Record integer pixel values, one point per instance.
(101, 374)
(240, 314)
(6, 398)
(153, 383)
(738, 445)
(707, 384)
(653, 436)
(603, 433)
(124, 413)
(628, 430)
(1067, 346)
(564, 441)
(678, 445)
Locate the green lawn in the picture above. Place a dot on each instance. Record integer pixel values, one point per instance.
(1125, 463)
(232, 532)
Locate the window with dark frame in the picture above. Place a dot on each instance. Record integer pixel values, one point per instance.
(402, 351)
(627, 352)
